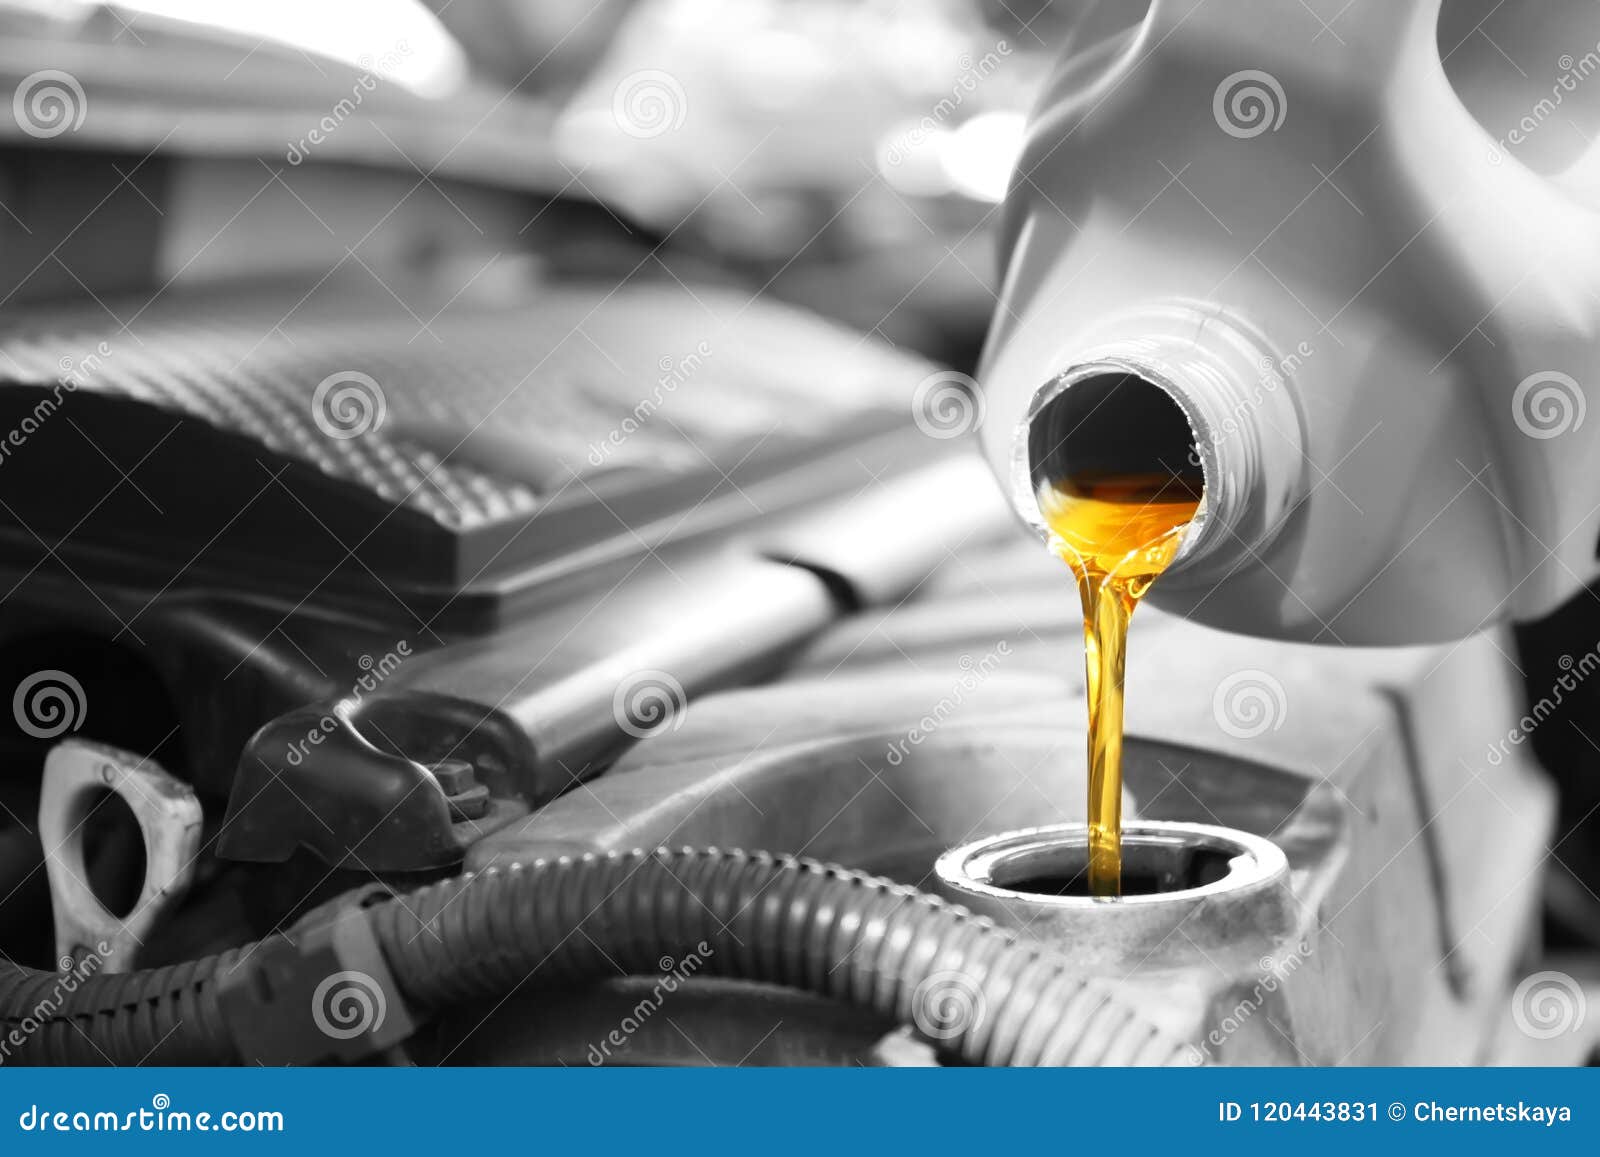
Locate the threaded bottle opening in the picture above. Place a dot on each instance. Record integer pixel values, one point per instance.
(1119, 416)
(1103, 421)
(1194, 397)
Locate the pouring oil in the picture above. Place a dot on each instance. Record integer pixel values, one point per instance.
(1117, 532)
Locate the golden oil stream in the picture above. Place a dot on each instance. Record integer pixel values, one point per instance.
(1117, 532)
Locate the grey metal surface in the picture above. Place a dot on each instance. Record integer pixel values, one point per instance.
(80, 779)
(905, 731)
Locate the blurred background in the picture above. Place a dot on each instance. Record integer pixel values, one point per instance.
(844, 154)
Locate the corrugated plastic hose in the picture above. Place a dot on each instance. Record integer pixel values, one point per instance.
(160, 1016)
(977, 992)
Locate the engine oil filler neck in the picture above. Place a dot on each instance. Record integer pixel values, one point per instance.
(1216, 883)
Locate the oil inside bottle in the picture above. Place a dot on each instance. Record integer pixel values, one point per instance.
(1118, 532)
